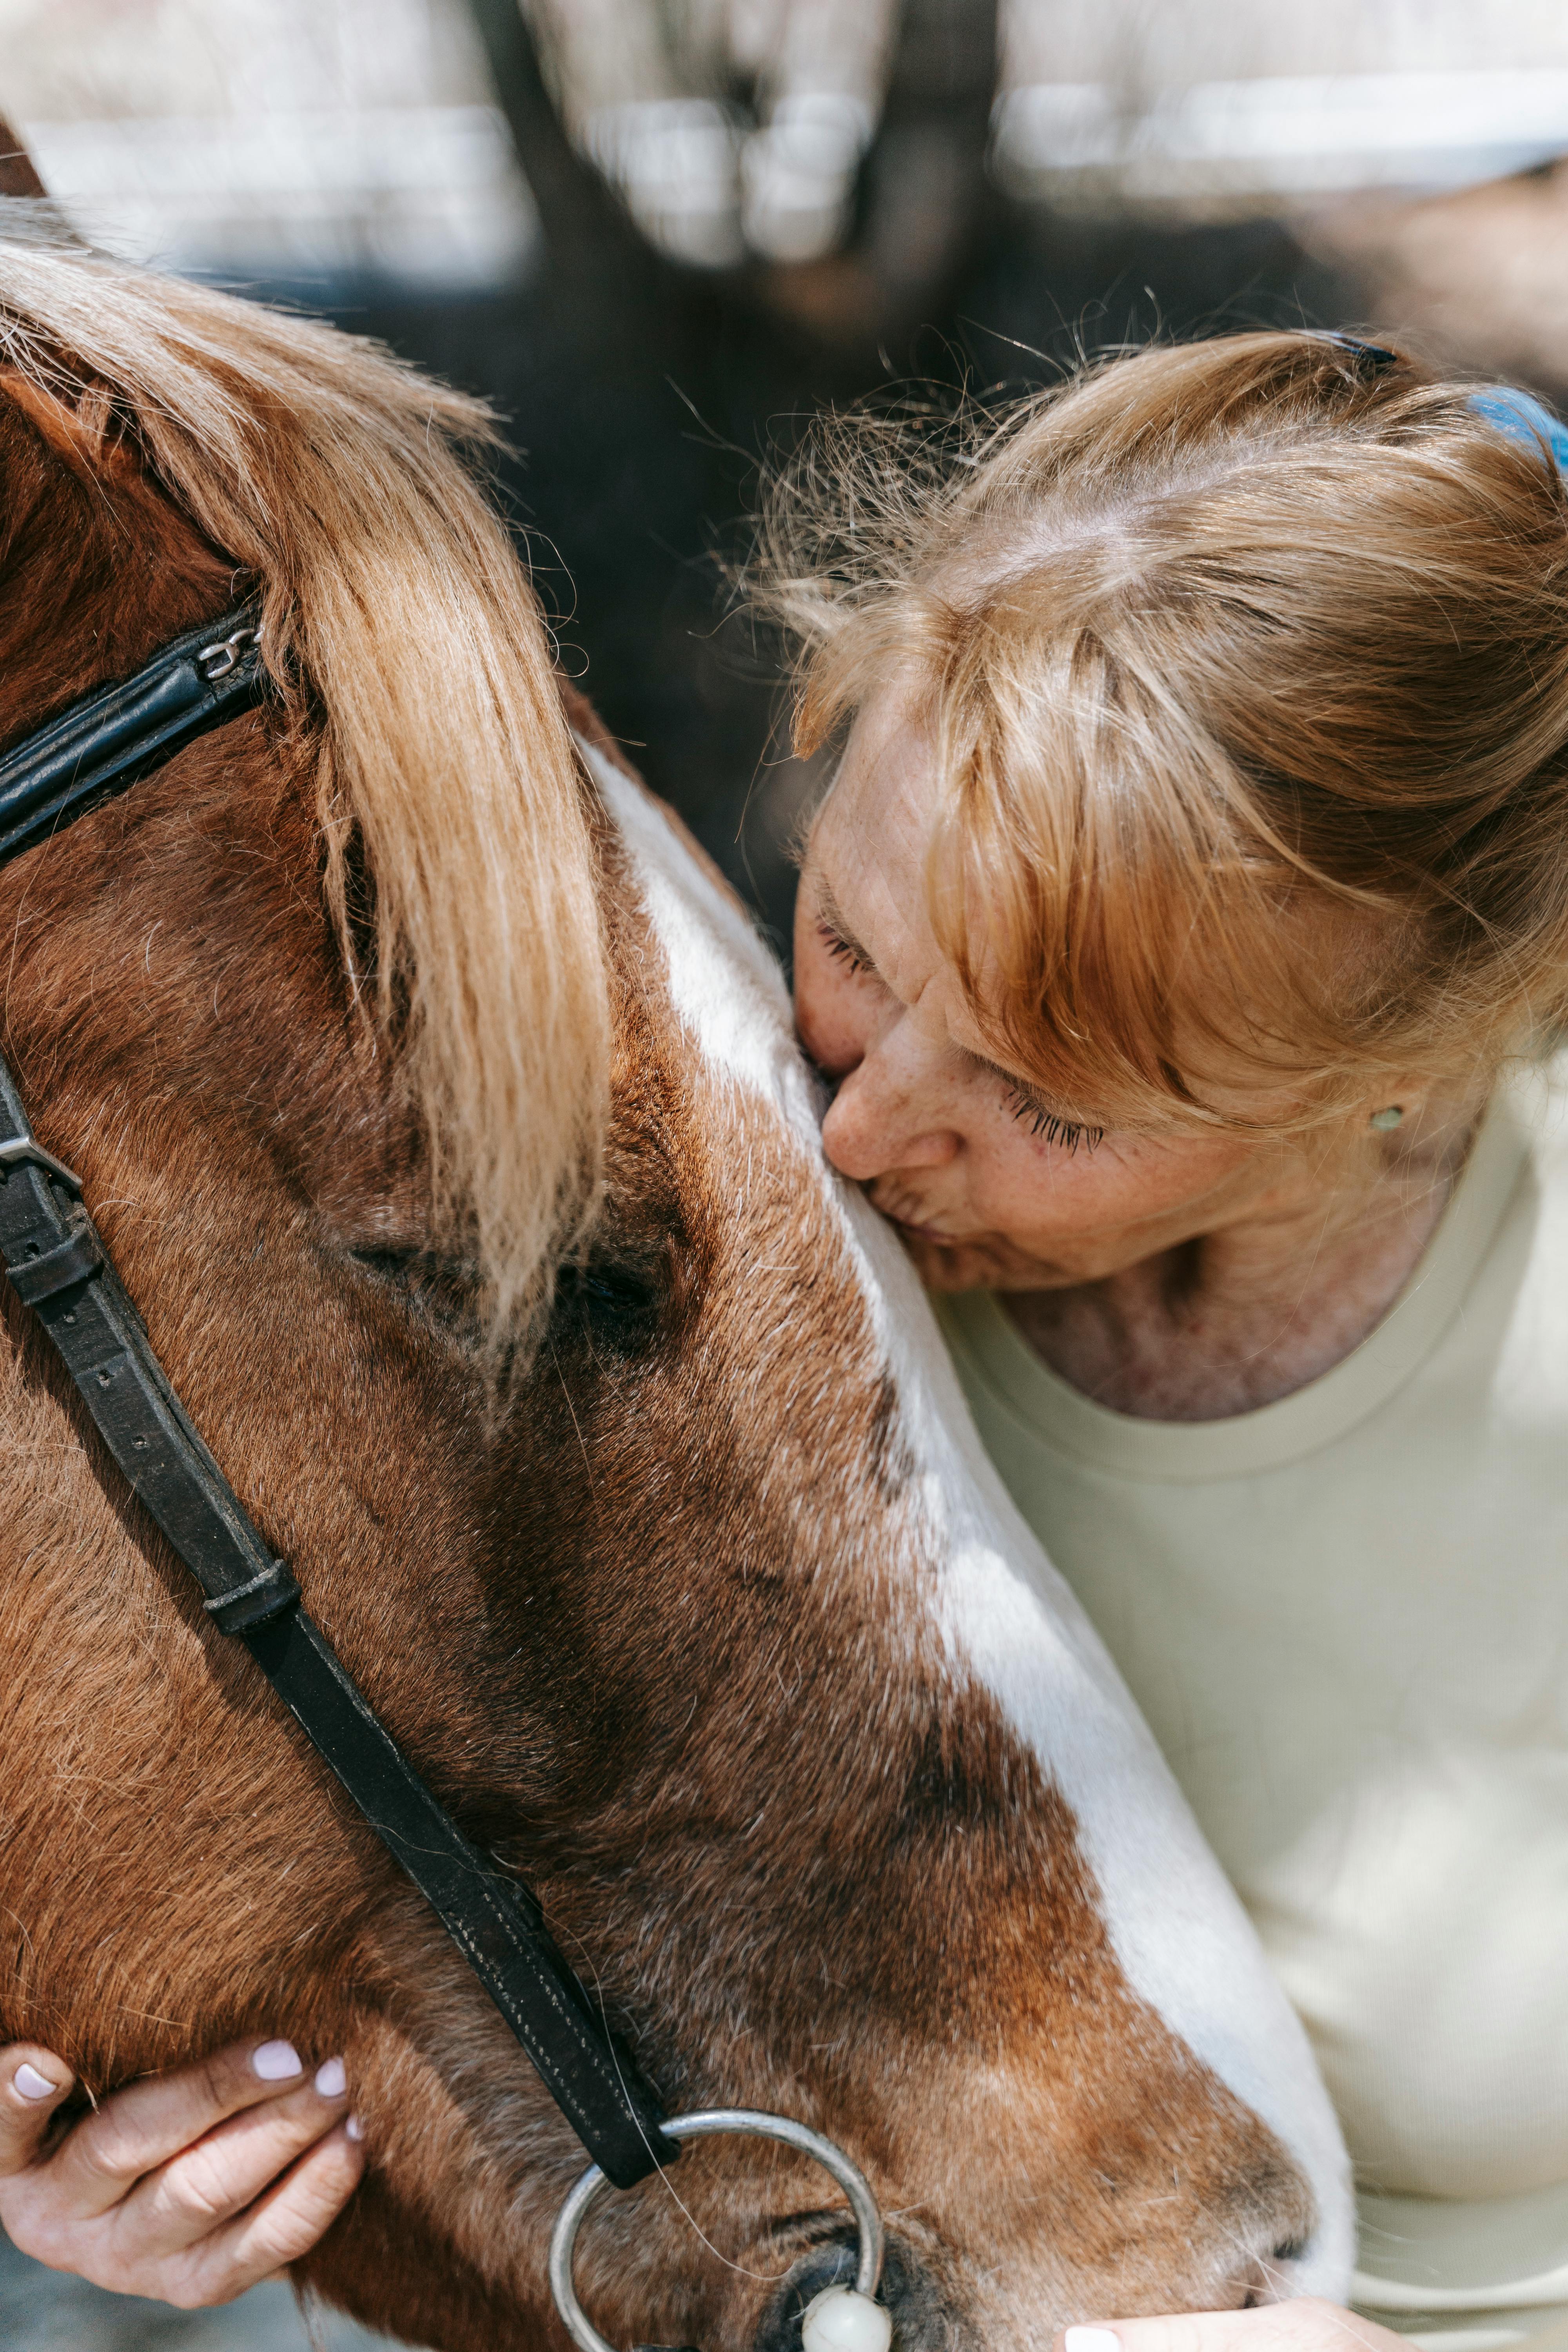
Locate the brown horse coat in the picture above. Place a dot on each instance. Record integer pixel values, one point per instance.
(628, 1480)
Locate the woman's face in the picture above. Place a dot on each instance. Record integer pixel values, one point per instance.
(989, 1185)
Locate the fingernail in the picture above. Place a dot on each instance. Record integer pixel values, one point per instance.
(275, 2061)
(28, 2083)
(332, 2079)
(355, 2128)
(1091, 2339)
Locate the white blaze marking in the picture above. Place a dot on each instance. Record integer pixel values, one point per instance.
(1005, 1616)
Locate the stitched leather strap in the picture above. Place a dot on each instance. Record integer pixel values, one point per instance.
(103, 743)
(57, 1262)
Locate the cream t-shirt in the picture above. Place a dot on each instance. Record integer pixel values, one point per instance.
(1345, 1617)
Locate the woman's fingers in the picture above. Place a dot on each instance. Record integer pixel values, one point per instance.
(173, 2187)
(279, 2227)
(190, 2197)
(142, 2126)
(1303, 2325)
(33, 2082)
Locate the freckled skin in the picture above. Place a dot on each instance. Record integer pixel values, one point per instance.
(1176, 1275)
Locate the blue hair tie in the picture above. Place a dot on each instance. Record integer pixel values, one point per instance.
(1524, 418)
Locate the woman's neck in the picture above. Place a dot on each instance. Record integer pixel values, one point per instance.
(1234, 1319)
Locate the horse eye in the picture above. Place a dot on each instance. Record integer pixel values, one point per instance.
(393, 1265)
(440, 1290)
(617, 1302)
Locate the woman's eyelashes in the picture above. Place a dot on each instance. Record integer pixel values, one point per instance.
(1050, 1125)
(842, 952)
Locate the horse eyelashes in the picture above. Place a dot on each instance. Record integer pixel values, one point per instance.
(392, 1263)
(619, 1305)
(436, 1288)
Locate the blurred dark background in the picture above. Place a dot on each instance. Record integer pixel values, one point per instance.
(641, 393)
(659, 234)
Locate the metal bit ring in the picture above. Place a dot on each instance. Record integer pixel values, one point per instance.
(850, 2178)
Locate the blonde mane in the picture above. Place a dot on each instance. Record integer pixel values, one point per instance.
(400, 627)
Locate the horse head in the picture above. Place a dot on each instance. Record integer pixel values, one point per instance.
(443, 1117)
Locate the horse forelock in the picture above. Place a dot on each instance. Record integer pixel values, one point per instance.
(409, 651)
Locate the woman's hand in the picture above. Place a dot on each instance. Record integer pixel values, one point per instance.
(1304, 2326)
(188, 2186)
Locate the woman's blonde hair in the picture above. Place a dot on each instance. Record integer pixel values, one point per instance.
(1212, 643)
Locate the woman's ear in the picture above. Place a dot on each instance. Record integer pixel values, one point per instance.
(1412, 1122)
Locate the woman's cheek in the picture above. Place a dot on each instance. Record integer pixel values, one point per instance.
(832, 1027)
(1042, 1194)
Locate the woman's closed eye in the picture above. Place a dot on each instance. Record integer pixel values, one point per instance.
(1050, 1125)
(844, 951)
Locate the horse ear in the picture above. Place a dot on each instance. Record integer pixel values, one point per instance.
(86, 434)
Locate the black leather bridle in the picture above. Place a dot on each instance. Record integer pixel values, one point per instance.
(58, 1266)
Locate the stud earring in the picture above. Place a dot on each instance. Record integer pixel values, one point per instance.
(1386, 1120)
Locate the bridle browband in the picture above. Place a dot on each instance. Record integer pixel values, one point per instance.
(58, 1266)
(101, 745)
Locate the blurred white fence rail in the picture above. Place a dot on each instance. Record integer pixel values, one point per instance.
(281, 139)
(728, 126)
(1230, 143)
(426, 193)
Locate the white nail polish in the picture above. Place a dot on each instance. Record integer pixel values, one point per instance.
(275, 2061)
(1091, 2339)
(355, 2128)
(332, 2079)
(29, 2083)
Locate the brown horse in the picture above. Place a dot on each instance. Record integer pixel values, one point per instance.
(444, 1118)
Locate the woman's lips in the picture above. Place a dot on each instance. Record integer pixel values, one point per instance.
(895, 1203)
(925, 1232)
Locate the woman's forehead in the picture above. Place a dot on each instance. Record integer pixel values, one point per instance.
(865, 879)
(866, 873)
(876, 820)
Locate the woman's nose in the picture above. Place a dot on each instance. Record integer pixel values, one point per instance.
(874, 1125)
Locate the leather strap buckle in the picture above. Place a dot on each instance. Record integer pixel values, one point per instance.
(216, 661)
(24, 1151)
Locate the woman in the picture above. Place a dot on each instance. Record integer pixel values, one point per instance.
(1185, 931)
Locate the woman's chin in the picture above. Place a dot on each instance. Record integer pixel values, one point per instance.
(944, 1264)
(987, 1261)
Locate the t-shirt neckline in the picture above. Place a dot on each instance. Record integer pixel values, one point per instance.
(1051, 1409)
